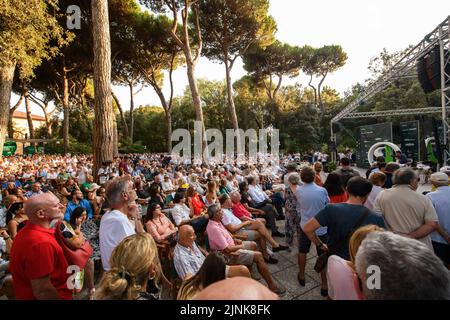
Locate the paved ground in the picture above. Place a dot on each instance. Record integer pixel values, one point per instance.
(285, 272)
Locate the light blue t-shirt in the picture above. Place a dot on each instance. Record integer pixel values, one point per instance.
(310, 200)
(441, 202)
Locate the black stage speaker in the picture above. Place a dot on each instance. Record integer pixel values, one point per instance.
(429, 70)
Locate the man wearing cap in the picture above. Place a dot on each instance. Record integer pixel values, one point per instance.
(441, 202)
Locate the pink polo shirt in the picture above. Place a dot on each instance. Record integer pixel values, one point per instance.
(219, 238)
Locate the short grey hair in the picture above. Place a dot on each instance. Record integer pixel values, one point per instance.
(409, 269)
(294, 178)
(404, 176)
(115, 188)
(213, 210)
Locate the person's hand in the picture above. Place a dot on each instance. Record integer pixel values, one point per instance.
(247, 223)
(448, 238)
(324, 248)
(134, 211)
(261, 211)
(4, 234)
(238, 241)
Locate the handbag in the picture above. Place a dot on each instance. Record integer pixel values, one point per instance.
(322, 260)
(79, 256)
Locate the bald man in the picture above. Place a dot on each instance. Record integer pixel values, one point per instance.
(188, 257)
(37, 262)
(236, 289)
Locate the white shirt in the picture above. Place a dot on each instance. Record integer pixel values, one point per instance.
(257, 194)
(180, 213)
(230, 218)
(114, 227)
(376, 190)
(52, 176)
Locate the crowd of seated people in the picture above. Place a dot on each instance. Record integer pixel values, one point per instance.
(198, 225)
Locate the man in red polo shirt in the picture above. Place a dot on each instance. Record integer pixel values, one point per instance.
(37, 262)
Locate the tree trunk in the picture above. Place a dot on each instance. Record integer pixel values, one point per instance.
(10, 120)
(169, 131)
(196, 100)
(65, 103)
(28, 110)
(47, 121)
(314, 89)
(319, 89)
(167, 110)
(122, 117)
(103, 109)
(231, 106)
(6, 82)
(275, 92)
(131, 111)
(116, 140)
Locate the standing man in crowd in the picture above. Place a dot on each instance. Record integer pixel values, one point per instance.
(441, 202)
(404, 210)
(37, 262)
(117, 224)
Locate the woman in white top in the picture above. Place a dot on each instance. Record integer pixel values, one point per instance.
(343, 282)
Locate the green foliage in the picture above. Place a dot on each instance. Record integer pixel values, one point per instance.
(127, 146)
(150, 130)
(74, 147)
(29, 33)
(229, 27)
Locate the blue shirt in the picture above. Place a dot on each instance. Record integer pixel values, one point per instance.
(310, 200)
(72, 206)
(16, 183)
(441, 202)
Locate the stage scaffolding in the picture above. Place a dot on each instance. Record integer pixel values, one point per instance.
(406, 67)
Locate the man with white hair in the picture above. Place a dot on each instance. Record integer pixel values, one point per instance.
(37, 262)
(404, 210)
(441, 202)
(392, 267)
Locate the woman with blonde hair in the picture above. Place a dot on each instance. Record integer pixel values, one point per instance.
(134, 264)
(343, 282)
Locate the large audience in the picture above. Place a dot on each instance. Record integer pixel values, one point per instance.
(147, 227)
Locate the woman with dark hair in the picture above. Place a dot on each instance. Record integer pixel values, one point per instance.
(155, 195)
(212, 270)
(74, 238)
(15, 219)
(158, 225)
(335, 189)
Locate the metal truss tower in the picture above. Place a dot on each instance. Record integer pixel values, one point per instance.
(405, 67)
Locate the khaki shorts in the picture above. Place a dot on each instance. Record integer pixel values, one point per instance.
(252, 235)
(245, 256)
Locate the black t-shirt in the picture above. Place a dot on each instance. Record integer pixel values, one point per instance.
(340, 219)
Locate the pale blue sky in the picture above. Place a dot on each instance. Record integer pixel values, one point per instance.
(362, 27)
